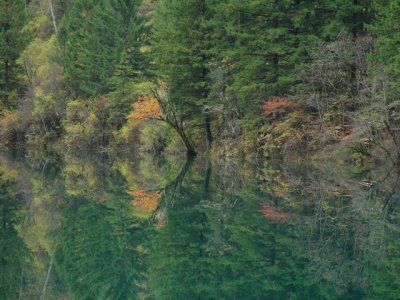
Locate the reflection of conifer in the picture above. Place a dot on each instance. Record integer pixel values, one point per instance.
(13, 251)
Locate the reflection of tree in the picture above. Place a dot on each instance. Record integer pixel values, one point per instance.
(13, 251)
(224, 233)
(150, 201)
(384, 275)
(180, 246)
(273, 214)
(85, 176)
(100, 246)
(342, 222)
(38, 180)
(216, 245)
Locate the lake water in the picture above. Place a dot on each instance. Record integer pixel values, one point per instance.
(124, 228)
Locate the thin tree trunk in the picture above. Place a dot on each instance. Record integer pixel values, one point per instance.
(21, 284)
(177, 126)
(205, 91)
(207, 128)
(6, 83)
(46, 282)
(207, 178)
(395, 141)
(53, 16)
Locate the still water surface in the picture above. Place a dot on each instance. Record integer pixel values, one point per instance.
(119, 228)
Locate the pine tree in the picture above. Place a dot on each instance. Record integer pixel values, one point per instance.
(261, 45)
(180, 54)
(386, 27)
(133, 66)
(12, 42)
(95, 35)
(344, 16)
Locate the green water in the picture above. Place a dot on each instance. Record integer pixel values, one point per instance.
(124, 228)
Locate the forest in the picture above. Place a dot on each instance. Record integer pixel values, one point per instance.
(200, 149)
(220, 78)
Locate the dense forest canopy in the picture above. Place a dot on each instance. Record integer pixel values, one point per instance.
(260, 77)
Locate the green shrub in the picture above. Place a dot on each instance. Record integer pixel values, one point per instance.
(85, 124)
(11, 128)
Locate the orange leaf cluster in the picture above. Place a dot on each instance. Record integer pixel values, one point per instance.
(273, 214)
(277, 105)
(99, 197)
(160, 224)
(145, 108)
(101, 101)
(143, 201)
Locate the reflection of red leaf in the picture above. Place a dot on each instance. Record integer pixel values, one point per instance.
(143, 201)
(101, 101)
(272, 214)
(99, 198)
(160, 225)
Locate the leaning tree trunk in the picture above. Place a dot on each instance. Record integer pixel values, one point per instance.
(190, 151)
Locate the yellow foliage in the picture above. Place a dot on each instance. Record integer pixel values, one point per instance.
(7, 169)
(85, 124)
(10, 122)
(81, 177)
(43, 75)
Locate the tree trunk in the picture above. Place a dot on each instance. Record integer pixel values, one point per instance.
(190, 151)
(53, 16)
(207, 128)
(6, 83)
(207, 178)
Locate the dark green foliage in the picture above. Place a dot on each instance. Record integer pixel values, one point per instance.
(345, 16)
(96, 38)
(218, 246)
(100, 245)
(13, 251)
(386, 28)
(213, 64)
(180, 52)
(274, 232)
(384, 273)
(12, 42)
(259, 43)
(246, 51)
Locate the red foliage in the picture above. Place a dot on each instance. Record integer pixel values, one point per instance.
(272, 214)
(101, 101)
(276, 106)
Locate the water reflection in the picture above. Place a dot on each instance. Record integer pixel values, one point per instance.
(117, 228)
(14, 253)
